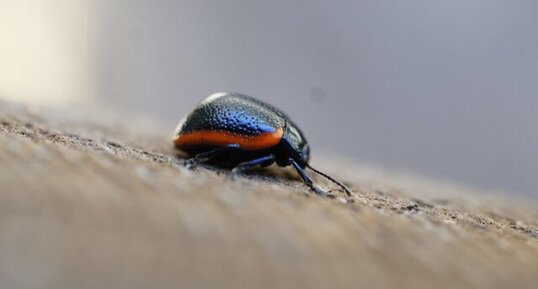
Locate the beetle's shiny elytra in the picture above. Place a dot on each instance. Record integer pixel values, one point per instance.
(239, 132)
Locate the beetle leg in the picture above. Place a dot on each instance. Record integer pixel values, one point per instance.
(245, 166)
(205, 156)
(307, 179)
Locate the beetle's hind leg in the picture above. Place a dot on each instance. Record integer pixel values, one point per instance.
(248, 165)
(206, 156)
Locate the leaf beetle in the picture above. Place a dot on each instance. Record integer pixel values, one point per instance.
(238, 132)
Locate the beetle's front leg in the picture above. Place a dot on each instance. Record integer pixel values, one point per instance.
(307, 180)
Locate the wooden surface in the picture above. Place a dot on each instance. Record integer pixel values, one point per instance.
(89, 199)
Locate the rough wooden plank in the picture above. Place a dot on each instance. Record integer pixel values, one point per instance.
(97, 201)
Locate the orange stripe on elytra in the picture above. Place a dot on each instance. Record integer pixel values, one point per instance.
(221, 138)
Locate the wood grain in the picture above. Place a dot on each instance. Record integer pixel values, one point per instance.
(90, 199)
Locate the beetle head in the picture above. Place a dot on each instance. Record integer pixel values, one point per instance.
(298, 147)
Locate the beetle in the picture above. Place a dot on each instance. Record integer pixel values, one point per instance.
(238, 132)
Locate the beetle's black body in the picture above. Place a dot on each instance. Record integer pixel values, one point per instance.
(236, 131)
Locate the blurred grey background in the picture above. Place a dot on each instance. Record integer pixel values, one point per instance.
(445, 88)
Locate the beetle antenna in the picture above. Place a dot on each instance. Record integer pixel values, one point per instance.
(348, 192)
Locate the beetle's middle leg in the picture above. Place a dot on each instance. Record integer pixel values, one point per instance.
(248, 165)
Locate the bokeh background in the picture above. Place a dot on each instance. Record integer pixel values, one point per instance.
(445, 88)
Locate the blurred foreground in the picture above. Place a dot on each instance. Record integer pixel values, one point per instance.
(97, 201)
